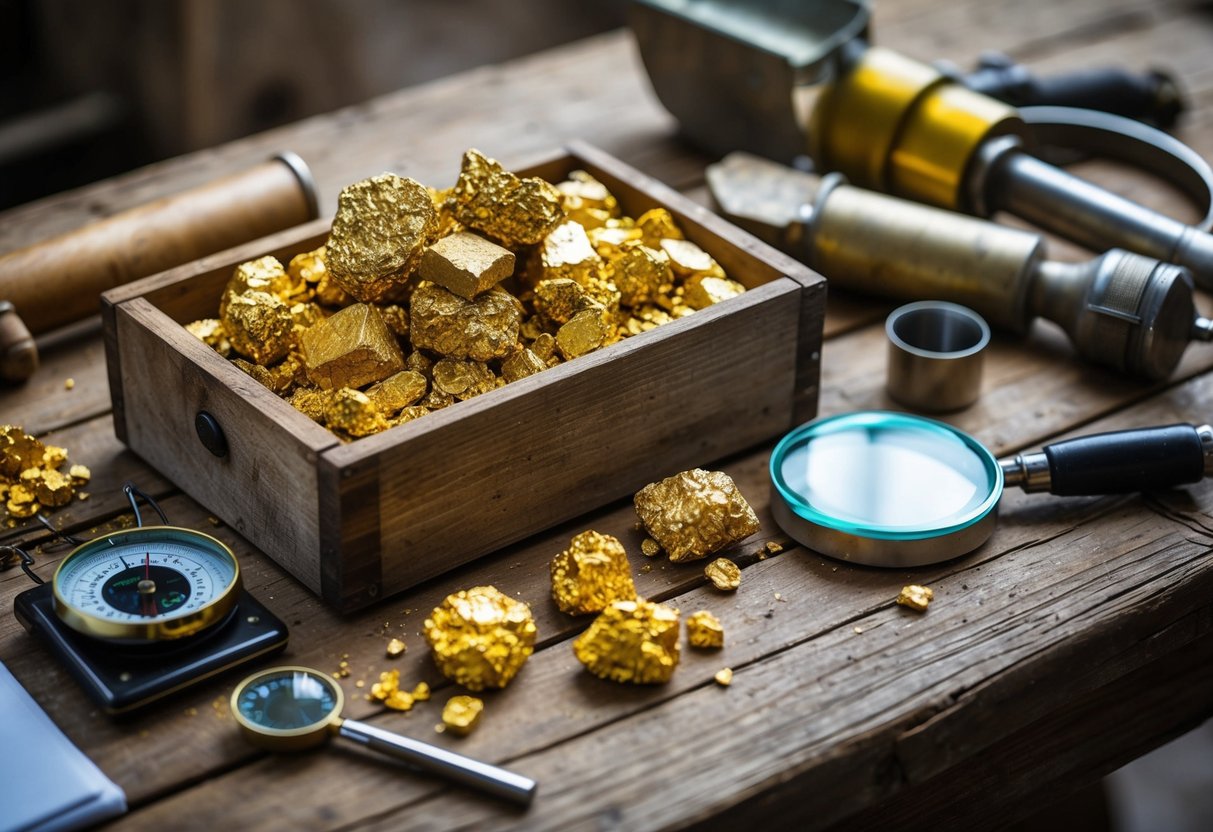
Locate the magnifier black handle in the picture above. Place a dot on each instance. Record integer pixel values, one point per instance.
(1143, 459)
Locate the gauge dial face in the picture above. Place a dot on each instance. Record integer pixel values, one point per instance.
(140, 583)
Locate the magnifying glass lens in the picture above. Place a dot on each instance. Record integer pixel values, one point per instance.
(885, 474)
(286, 701)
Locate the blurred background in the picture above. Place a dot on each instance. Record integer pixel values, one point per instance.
(90, 89)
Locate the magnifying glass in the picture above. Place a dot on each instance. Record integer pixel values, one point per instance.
(897, 490)
(295, 708)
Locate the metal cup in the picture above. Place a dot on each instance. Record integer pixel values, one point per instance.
(935, 355)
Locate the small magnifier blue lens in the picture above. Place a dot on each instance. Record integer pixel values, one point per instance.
(888, 476)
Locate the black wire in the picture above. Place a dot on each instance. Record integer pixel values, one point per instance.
(64, 536)
(131, 492)
(27, 560)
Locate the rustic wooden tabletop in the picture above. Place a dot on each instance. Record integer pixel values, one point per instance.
(1075, 640)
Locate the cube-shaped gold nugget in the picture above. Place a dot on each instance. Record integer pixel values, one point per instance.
(695, 513)
(704, 630)
(585, 332)
(480, 329)
(381, 229)
(467, 264)
(591, 573)
(351, 348)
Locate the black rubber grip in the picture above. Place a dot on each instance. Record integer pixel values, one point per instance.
(1151, 96)
(1144, 459)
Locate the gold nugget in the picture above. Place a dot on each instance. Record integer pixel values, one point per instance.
(631, 641)
(381, 229)
(464, 379)
(641, 273)
(480, 637)
(915, 597)
(515, 211)
(567, 253)
(351, 348)
(701, 292)
(704, 630)
(590, 574)
(695, 513)
(480, 329)
(585, 332)
(461, 714)
(521, 364)
(259, 326)
(723, 573)
(397, 391)
(467, 264)
(395, 648)
(352, 413)
(210, 331)
(724, 677)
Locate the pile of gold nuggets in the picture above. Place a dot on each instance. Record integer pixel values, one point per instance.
(423, 297)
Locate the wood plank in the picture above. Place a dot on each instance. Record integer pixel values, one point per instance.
(44, 403)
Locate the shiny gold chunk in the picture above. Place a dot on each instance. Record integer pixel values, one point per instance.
(311, 270)
(387, 691)
(590, 574)
(419, 362)
(437, 399)
(520, 365)
(544, 348)
(397, 319)
(79, 474)
(480, 329)
(421, 692)
(210, 331)
(447, 224)
(688, 259)
(557, 300)
(916, 597)
(395, 648)
(610, 241)
(408, 415)
(69, 384)
(264, 275)
(649, 548)
(704, 630)
(585, 332)
(352, 413)
(480, 637)
(585, 198)
(695, 513)
(724, 677)
(53, 456)
(259, 326)
(467, 264)
(514, 211)
(18, 451)
(461, 714)
(351, 348)
(701, 292)
(631, 641)
(22, 502)
(723, 573)
(381, 229)
(398, 391)
(53, 488)
(641, 274)
(658, 224)
(464, 379)
(567, 253)
(312, 402)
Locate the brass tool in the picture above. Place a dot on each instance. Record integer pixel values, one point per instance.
(1122, 310)
(58, 281)
(780, 78)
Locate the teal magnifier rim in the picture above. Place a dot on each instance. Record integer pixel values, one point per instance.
(867, 428)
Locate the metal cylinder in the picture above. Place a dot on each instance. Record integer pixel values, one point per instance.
(881, 245)
(935, 355)
(58, 281)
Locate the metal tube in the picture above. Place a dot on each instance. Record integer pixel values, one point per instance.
(483, 776)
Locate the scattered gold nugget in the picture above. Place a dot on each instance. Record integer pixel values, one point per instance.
(395, 648)
(631, 641)
(480, 637)
(916, 597)
(723, 573)
(695, 513)
(704, 630)
(461, 714)
(724, 677)
(69, 383)
(649, 548)
(590, 574)
(30, 479)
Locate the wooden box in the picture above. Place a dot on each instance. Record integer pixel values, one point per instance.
(357, 521)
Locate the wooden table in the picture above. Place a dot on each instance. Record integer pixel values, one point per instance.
(1074, 641)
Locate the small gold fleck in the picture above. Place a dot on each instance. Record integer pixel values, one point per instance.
(858, 631)
(915, 597)
(68, 384)
(724, 677)
(395, 648)
(650, 548)
(724, 574)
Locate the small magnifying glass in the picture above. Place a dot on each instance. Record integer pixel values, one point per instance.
(898, 490)
(295, 708)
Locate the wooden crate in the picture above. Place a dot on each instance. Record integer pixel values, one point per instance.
(357, 521)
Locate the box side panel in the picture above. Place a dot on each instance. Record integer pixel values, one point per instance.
(592, 431)
(266, 485)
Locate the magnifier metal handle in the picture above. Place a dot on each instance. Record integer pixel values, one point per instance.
(488, 778)
(1143, 459)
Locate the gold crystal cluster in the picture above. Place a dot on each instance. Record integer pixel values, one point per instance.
(631, 641)
(480, 637)
(591, 573)
(32, 475)
(695, 513)
(422, 298)
(387, 692)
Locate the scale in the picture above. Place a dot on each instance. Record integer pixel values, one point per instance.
(141, 613)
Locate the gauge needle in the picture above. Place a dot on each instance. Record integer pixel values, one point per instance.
(148, 600)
